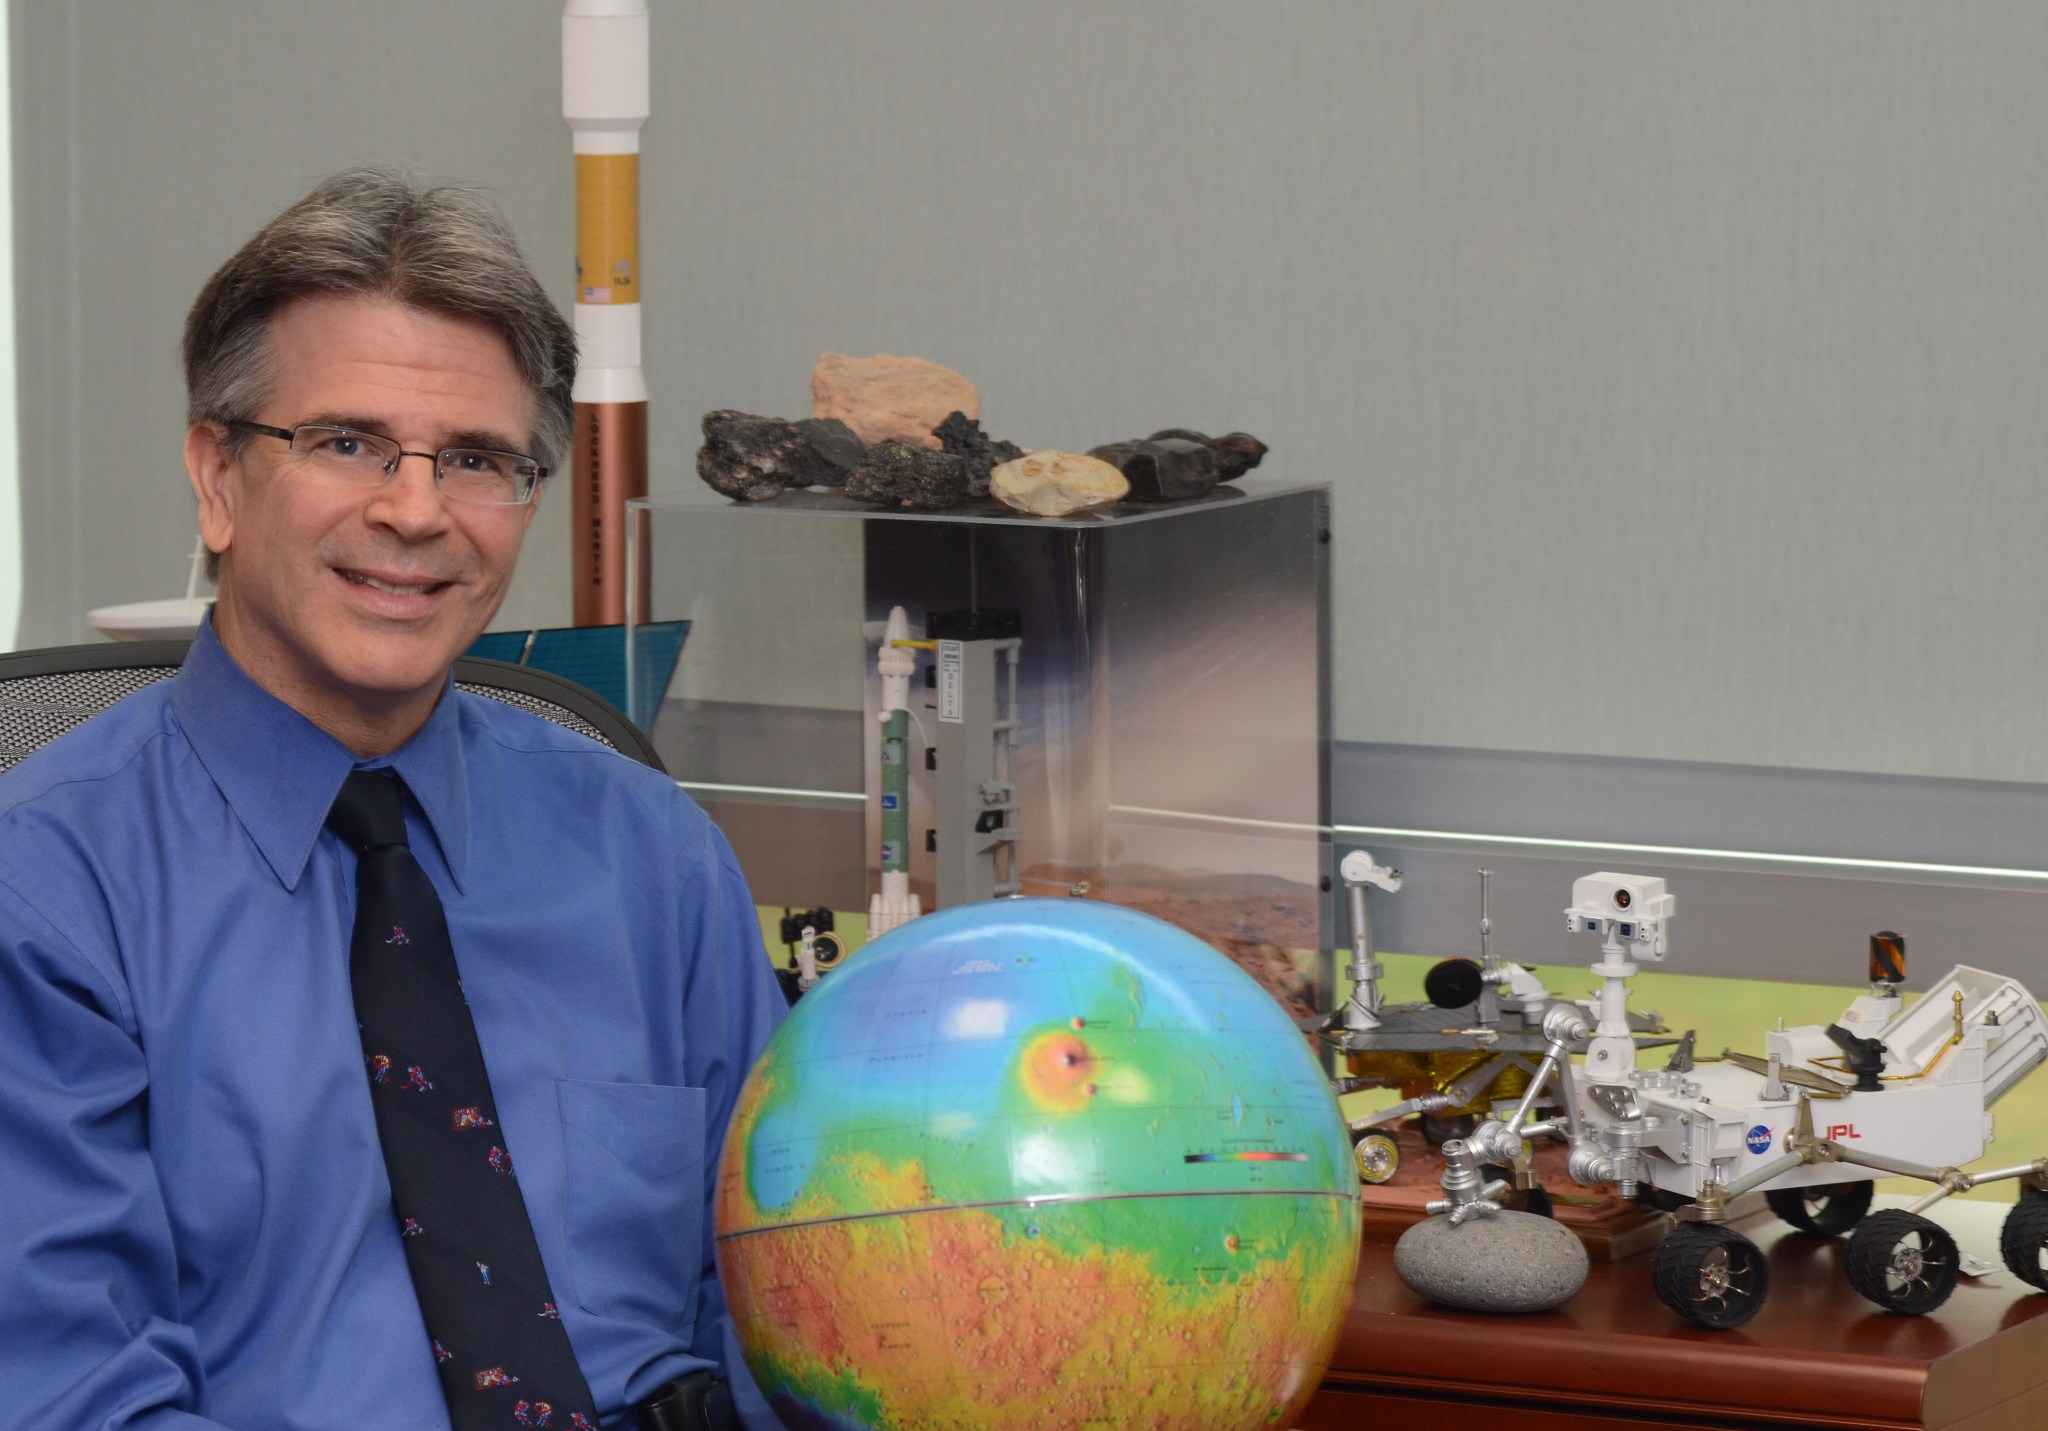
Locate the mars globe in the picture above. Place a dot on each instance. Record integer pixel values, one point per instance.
(1037, 1163)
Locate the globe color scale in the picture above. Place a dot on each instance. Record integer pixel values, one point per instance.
(1037, 1163)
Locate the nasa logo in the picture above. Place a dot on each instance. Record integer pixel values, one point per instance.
(1759, 1139)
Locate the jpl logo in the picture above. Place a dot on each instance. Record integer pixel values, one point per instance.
(1838, 1131)
(1759, 1139)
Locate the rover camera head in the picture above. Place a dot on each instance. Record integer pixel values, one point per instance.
(1631, 908)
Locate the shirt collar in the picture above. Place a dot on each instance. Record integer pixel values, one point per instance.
(280, 773)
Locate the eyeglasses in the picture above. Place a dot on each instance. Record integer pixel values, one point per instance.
(364, 459)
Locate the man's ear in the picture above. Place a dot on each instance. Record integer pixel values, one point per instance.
(213, 474)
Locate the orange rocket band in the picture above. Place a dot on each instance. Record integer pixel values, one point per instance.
(610, 467)
(607, 228)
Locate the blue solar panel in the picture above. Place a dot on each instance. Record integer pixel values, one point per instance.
(595, 657)
(500, 646)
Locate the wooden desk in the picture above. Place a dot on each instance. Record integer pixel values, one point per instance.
(1613, 1357)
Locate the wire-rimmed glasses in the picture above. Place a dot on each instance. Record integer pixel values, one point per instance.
(367, 459)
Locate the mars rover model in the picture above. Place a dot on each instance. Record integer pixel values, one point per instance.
(1886, 1091)
(1472, 1043)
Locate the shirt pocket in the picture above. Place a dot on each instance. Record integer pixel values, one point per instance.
(634, 1199)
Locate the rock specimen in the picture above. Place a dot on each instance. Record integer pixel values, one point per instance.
(745, 456)
(962, 436)
(1176, 463)
(1054, 484)
(755, 458)
(906, 476)
(1163, 469)
(1236, 452)
(837, 449)
(1509, 1262)
(889, 399)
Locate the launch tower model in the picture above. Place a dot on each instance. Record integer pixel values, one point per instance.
(974, 831)
(970, 744)
(604, 99)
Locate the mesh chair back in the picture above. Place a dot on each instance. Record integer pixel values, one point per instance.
(47, 692)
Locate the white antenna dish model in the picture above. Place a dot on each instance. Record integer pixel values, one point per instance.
(176, 618)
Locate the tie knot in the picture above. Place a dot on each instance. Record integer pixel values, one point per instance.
(370, 810)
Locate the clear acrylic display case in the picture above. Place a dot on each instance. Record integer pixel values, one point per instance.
(1173, 692)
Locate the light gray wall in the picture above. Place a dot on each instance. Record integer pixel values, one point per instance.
(151, 137)
(1677, 365)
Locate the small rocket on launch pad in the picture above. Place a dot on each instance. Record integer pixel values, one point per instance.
(604, 98)
(894, 904)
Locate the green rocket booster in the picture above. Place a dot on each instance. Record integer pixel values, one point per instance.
(894, 904)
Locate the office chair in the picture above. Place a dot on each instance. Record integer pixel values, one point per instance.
(44, 693)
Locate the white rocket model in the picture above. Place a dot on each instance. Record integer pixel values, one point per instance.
(894, 904)
(604, 98)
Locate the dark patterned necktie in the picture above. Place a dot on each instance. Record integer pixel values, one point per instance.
(505, 1360)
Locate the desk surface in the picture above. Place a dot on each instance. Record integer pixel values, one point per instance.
(1816, 1354)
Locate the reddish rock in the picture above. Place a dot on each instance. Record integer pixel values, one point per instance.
(890, 399)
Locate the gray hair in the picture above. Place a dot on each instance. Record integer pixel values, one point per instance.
(444, 250)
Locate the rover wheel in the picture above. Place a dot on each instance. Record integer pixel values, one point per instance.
(1377, 1156)
(2024, 1242)
(1829, 1209)
(1903, 1262)
(1710, 1275)
(1439, 1131)
(827, 950)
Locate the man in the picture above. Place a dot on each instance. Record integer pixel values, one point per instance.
(210, 1214)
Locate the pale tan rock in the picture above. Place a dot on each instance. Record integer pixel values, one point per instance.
(890, 399)
(1053, 484)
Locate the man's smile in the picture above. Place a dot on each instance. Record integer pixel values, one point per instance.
(398, 586)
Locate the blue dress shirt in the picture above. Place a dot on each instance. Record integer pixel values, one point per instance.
(195, 1225)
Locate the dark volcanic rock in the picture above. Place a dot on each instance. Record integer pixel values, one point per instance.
(1176, 463)
(836, 447)
(962, 436)
(906, 476)
(1163, 469)
(755, 458)
(1236, 452)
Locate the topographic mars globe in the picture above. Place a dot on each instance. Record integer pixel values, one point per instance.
(1037, 1163)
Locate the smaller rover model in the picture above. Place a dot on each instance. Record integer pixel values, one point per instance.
(1470, 1045)
(1889, 1090)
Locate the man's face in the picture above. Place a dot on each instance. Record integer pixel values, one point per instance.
(349, 603)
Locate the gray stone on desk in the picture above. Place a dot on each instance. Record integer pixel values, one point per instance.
(1509, 1262)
